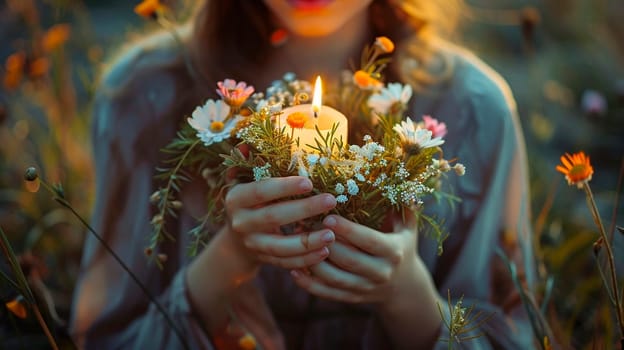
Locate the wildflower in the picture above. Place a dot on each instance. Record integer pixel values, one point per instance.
(341, 198)
(313, 159)
(365, 81)
(38, 67)
(412, 135)
(247, 342)
(55, 37)
(593, 103)
(210, 122)
(14, 70)
(576, 168)
(157, 220)
(261, 172)
(32, 180)
(391, 99)
(339, 188)
(437, 129)
(16, 306)
(150, 9)
(384, 44)
(279, 37)
(31, 174)
(233, 93)
(296, 120)
(155, 197)
(352, 187)
(460, 169)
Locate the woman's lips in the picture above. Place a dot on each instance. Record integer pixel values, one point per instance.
(309, 4)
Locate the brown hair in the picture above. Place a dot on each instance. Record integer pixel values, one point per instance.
(212, 52)
(218, 52)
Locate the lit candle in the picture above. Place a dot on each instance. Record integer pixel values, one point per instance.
(300, 121)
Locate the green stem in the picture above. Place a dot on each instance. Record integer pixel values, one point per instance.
(143, 288)
(22, 284)
(44, 326)
(167, 189)
(610, 257)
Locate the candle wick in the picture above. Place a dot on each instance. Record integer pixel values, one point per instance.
(315, 114)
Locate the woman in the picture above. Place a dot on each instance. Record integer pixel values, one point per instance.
(365, 289)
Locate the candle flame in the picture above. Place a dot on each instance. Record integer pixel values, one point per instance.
(317, 97)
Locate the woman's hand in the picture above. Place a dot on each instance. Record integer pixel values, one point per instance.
(254, 218)
(252, 237)
(365, 265)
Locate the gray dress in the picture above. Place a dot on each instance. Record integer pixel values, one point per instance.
(110, 312)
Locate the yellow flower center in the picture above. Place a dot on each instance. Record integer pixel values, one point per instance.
(216, 126)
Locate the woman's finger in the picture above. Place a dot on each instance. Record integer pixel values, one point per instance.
(270, 217)
(337, 278)
(296, 262)
(288, 246)
(252, 194)
(352, 260)
(363, 237)
(316, 287)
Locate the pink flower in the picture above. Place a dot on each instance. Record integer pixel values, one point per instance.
(234, 94)
(437, 129)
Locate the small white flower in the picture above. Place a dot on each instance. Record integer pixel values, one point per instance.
(395, 93)
(313, 159)
(352, 187)
(339, 188)
(412, 134)
(261, 172)
(460, 169)
(341, 198)
(209, 121)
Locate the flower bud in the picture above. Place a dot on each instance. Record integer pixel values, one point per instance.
(460, 169)
(31, 174)
(155, 197)
(597, 246)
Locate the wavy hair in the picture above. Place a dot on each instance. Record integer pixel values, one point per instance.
(217, 51)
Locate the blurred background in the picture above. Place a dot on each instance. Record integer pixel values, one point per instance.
(564, 60)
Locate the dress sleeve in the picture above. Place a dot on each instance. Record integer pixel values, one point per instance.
(109, 309)
(492, 217)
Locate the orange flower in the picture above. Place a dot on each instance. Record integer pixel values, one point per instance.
(16, 306)
(365, 81)
(384, 44)
(297, 120)
(56, 36)
(149, 9)
(14, 70)
(279, 37)
(39, 67)
(576, 168)
(247, 342)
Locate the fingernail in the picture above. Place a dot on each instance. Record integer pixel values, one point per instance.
(330, 221)
(305, 185)
(323, 252)
(328, 237)
(295, 273)
(329, 201)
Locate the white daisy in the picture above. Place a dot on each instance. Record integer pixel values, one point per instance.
(394, 95)
(412, 134)
(209, 121)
